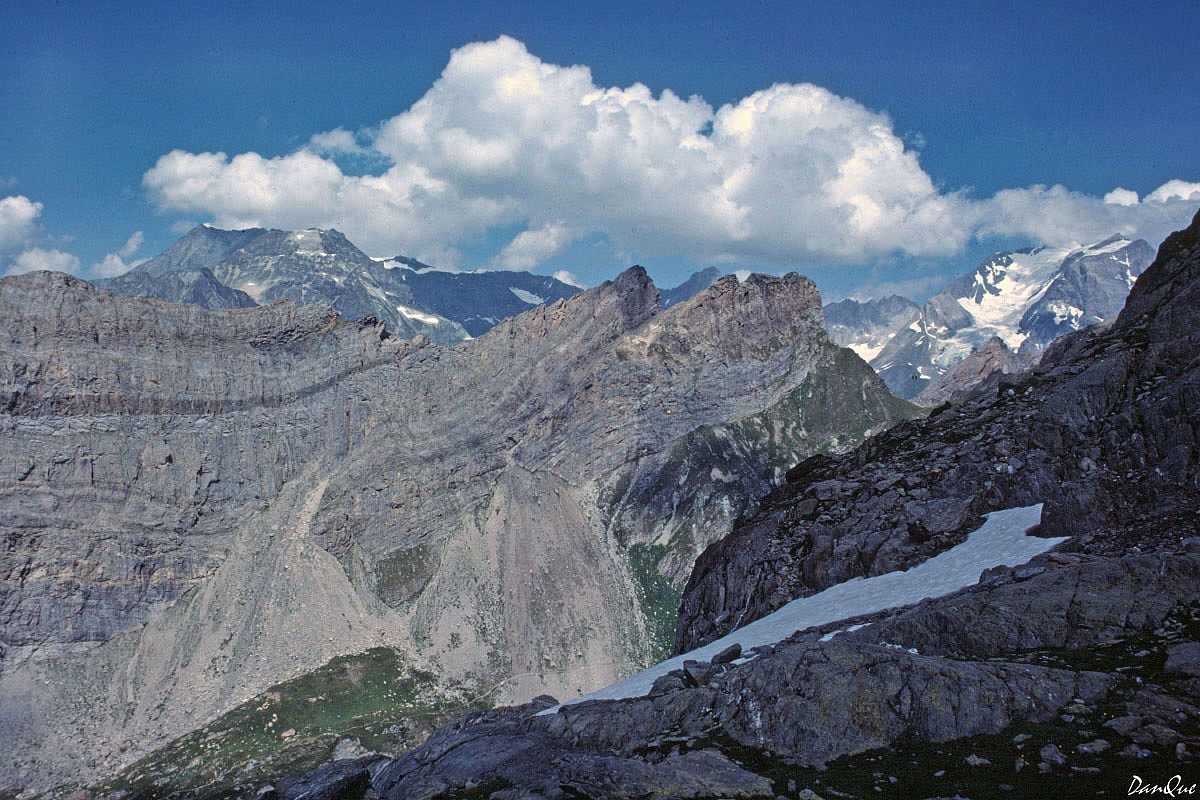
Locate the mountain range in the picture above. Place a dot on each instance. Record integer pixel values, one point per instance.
(201, 505)
(220, 269)
(1025, 298)
(269, 502)
(1058, 676)
(997, 318)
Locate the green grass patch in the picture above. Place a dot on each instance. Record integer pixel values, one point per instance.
(658, 598)
(293, 727)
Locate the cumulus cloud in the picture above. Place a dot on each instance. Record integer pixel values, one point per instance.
(791, 175)
(18, 222)
(1122, 197)
(1175, 190)
(36, 258)
(532, 247)
(1057, 216)
(115, 264)
(19, 240)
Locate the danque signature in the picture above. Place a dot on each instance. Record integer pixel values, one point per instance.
(1174, 787)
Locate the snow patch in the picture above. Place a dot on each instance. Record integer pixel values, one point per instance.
(1001, 540)
(866, 351)
(419, 316)
(527, 297)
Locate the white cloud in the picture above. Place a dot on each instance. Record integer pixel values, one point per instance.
(19, 237)
(115, 264)
(792, 175)
(132, 244)
(1122, 197)
(36, 258)
(18, 222)
(1175, 190)
(1057, 216)
(568, 278)
(532, 247)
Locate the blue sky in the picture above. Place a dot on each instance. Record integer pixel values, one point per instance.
(897, 147)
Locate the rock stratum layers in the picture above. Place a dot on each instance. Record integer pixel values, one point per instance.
(1090, 654)
(198, 504)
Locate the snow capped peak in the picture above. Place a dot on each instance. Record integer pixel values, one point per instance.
(1006, 286)
(309, 242)
(1026, 298)
(1110, 245)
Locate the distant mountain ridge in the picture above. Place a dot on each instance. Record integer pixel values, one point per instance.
(866, 326)
(222, 269)
(1024, 298)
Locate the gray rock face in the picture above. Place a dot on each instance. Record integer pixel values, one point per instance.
(1075, 434)
(1018, 647)
(200, 504)
(1028, 298)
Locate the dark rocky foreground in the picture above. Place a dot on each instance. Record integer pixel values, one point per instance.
(1065, 677)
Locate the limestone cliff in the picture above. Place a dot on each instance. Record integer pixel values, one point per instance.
(200, 504)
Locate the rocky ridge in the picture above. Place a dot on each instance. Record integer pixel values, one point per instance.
(982, 370)
(201, 504)
(1089, 654)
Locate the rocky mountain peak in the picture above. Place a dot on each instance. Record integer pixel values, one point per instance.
(203, 247)
(759, 315)
(1174, 283)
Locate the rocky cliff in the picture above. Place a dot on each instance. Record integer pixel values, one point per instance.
(1056, 677)
(1099, 432)
(200, 504)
